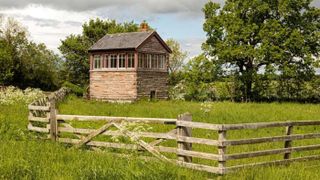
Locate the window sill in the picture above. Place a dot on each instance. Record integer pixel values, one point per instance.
(127, 70)
(113, 69)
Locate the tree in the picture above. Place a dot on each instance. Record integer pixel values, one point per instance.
(176, 61)
(75, 47)
(177, 56)
(6, 63)
(252, 35)
(199, 73)
(24, 63)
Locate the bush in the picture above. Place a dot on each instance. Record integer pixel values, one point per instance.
(13, 95)
(77, 90)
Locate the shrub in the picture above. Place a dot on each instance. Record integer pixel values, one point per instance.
(13, 95)
(77, 90)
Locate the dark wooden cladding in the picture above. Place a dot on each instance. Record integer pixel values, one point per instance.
(152, 45)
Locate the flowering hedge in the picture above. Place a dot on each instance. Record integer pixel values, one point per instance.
(12, 95)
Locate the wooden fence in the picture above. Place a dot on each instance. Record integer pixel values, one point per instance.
(181, 133)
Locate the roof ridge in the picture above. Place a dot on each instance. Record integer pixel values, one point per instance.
(132, 32)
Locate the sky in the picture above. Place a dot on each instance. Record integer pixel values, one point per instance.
(50, 21)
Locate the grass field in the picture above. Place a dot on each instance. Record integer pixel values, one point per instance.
(23, 156)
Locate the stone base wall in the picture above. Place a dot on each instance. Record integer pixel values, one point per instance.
(152, 81)
(113, 86)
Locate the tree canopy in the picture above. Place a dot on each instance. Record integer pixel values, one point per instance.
(266, 36)
(24, 63)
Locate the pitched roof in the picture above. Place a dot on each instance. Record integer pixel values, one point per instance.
(131, 40)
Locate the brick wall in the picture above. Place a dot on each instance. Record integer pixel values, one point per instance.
(152, 81)
(113, 86)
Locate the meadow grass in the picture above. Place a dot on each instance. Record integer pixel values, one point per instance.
(24, 156)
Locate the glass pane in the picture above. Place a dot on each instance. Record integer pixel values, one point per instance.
(113, 59)
(97, 62)
(130, 60)
(122, 61)
(154, 61)
(145, 60)
(149, 61)
(106, 62)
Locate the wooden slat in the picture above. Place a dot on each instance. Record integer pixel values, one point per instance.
(117, 133)
(270, 139)
(109, 118)
(93, 134)
(198, 140)
(277, 162)
(143, 144)
(38, 119)
(197, 154)
(269, 124)
(199, 167)
(101, 144)
(171, 133)
(37, 129)
(39, 108)
(271, 152)
(116, 145)
(199, 125)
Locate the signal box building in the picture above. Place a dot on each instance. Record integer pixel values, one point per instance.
(129, 66)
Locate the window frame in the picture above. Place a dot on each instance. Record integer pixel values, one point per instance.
(95, 64)
(128, 59)
(124, 62)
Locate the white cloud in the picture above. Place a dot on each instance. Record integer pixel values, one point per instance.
(191, 45)
(47, 25)
(148, 6)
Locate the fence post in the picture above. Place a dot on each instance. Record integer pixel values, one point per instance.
(53, 120)
(222, 150)
(288, 143)
(184, 131)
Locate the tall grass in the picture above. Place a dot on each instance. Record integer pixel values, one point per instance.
(24, 156)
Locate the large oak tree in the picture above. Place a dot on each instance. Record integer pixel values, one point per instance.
(278, 36)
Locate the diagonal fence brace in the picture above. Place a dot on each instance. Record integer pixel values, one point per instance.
(93, 134)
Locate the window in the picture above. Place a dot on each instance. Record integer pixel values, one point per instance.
(159, 61)
(141, 60)
(130, 60)
(149, 59)
(162, 61)
(154, 61)
(106, 62)
(122, 61)
(97, 62)
(145, 60)
(113, 61)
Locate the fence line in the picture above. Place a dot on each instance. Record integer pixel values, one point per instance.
(43, 111)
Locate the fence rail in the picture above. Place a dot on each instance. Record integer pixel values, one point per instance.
(43, 111)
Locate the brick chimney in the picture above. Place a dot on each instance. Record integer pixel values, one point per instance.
(144, 27)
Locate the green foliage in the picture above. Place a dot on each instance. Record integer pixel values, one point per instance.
(281, 37)
(24, 63)
(176, 62)
(75, 47)
(6, 63)
(197, 81)
(77, 90)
